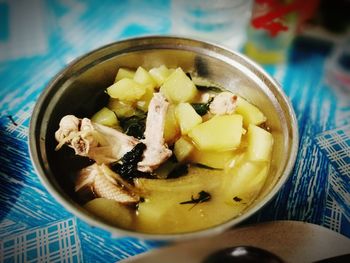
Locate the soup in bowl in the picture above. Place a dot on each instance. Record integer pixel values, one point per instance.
(163, 137)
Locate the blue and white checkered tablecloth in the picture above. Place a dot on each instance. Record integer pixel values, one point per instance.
(38, 38)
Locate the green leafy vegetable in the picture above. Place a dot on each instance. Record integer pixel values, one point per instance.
(208, 88)
(134, 125)
(205, 87)
(202, 197)
(127, 166)
(205, 166)
(202, 108)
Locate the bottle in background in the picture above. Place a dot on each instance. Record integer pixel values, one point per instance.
(273, 25)
(222, 21)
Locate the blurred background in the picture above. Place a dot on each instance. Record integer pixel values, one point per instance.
(265, 30)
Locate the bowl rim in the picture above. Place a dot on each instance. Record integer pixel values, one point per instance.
(77, 210)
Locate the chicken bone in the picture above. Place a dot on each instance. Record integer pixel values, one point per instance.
(103, 182)
(98, 142)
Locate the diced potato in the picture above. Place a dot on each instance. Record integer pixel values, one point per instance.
(244, 181)
(160, 74)
(221, 133)
(236, 159)
(124, 73)
(171, 126)
(143, 77)
(105, 117)
(187, 117)
(260, 144)
(111, 212)
(159, 212)
(126, 90)
(251, 114)
(214, 159)
(183, 149)
(143, 103)
(122, 109)
(149, 213)
(179, 88)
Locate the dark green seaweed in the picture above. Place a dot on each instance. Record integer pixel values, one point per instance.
(202, 108)
(134, 125)
(127, 166)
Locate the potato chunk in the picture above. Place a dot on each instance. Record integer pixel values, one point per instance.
(160, 74)
(251, 114)
(111, 212)
(183, 149)
(221, 133)
(179, 88)
(105, 117)
(171, 127)
(260, 144)
(143, 77)
(122, 109)
(187, 117)
(214, 159)
(126, 90)
(124, 73)
(244, 181)
(144, 101)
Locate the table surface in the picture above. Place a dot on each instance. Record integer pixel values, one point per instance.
(38, 38)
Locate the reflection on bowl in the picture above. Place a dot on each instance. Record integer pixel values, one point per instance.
(80, 90)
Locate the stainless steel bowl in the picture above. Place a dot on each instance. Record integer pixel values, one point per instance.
(79, 89)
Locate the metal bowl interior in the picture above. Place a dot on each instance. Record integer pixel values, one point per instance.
(80, 89)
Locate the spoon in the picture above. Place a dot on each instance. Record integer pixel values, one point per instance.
(249, 254)
(243, 254)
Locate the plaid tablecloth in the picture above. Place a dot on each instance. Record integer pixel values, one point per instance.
(38, 38)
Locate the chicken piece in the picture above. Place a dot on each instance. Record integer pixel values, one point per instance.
(98, 142)
(205, 97)
(68, 124)
(156, 151)
(223, 103)
(103, 182)
(76, 133)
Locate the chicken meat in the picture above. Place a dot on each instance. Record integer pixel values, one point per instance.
(157, 150)
(223, 103)
(98, 142)
(103, 182)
